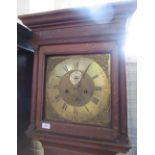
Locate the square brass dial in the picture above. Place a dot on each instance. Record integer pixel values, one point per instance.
(78, 89)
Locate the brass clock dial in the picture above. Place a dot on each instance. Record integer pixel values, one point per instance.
(78, 89)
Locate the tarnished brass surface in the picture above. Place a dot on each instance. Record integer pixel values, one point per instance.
(77, 89)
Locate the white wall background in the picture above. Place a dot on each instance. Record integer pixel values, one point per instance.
(33, 6)
(23, 7)
(131, 74)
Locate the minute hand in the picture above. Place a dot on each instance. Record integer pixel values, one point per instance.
(86, 71)
(83, 75)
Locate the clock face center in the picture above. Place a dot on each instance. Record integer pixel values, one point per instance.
(76, 89)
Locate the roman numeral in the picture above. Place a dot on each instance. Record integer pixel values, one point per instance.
(58, 76)
(97, 88)
(65, 68)
(75, 114)
(95, 100)
(76, 65)
(64, 107)
(86, 108)
(55, 86)
(95, 76)
(75, 111)
(57, 98)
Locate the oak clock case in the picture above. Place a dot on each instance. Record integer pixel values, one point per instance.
(79, 84)
(77, 89)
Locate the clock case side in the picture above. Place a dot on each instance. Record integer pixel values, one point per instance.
(74, 26)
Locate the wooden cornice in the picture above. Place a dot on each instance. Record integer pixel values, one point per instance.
(74, 16)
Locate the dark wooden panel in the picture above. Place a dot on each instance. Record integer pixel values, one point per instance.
(23, 38)
(63, 151)
(24, 82)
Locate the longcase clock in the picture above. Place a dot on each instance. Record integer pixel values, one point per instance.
(79, 88)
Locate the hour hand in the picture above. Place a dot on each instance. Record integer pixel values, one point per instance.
(77, 86)
(86, 70)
